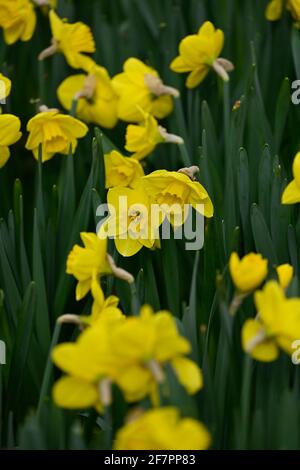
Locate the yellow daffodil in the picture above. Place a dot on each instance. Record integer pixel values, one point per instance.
(121, 171)
(55, 132)
(130, 352)
(18, 20)
(275, 9)
(72, 40)
(276, 327)
(87, 363)
(130, 221)
(285, 274)
(84, 263)
(199, 53)
(291, 194)
(142, 139)
(97, 101)
(9, 134)
(101, 307)
(173, 191)
(140, 86)
(5, 87)
(162, 429)
(249, 272)
(143, 346)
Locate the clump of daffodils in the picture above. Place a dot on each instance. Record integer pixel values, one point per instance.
(200, 53)
(131, 352)
(276, 326)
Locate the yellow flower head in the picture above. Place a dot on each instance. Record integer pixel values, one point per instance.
(291, 194)
(55, 132)
(249, 272)
(121, 171)
(87, 364)
(97, 101)
(72, 40)
(101, 308)
(131, 352)
(162, 429)
(173, 191)
(285, 274)
(140, 86)
(84, 263)
(9, 134)
(199, 53)
(275, 9)
(5, 87)
(276, 327)
(143, 138)
(130, 221)
(18, 20)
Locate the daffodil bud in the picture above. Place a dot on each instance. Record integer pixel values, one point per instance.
(249, 272)
(285, 274)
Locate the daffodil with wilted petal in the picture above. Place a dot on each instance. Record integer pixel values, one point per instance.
(162, 429)
(143, 138)
(55, 132)
(276, 327)
(291, 194)
(73, 40)
(131, 352)
(97, 101)
(84, 263)
(275, 9)
(18, 20)
(173, 191)
(199, 53)
(140, 86)
(9, 134)
(121, 171)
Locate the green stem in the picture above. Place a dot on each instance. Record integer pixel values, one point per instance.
(226, 111)
(245, 402)
(48, 370)
(135, 301)
(73, 107)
